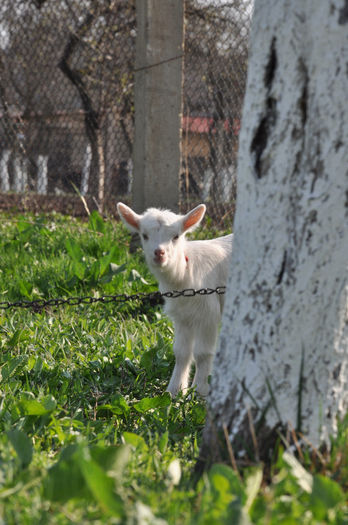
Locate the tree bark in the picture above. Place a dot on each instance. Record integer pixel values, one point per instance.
(282, 357)
(92, 117)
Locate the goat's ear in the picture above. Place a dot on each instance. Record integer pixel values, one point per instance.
(129, 217)
(192, 219)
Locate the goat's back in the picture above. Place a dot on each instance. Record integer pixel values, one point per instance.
(207, 267)
(208, 261)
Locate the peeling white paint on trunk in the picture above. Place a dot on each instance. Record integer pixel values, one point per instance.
(288, 288)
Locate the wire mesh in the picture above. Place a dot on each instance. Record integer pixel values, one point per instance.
(216, 52)
(67, 98)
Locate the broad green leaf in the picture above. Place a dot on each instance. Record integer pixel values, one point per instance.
(111, 270)
(74, 250)
(226, 482)
(59, 429)
(222, 498)
(120, 405)
(115, 268)
(22, 445)
(84, 473)
(112, 460)
(100, 485)
(79, 269)
(11, 366)
(65, 480)
(32, 407)
(117, 406)
(147, 360)
(135, 440)
(326, 495)
(22, 225)
(25, 288)
(106, 260)
(39, 365)
(149, 403)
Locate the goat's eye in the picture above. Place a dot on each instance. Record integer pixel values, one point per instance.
(145, 237)
(176, 237)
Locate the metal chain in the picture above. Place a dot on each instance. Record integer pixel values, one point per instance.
(153, 298)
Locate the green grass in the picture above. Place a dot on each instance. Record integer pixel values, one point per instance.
(87, 432)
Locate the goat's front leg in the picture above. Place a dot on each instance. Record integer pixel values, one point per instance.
(204, 351)
(183, 345)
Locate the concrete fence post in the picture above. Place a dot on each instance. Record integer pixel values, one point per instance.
(158, 103)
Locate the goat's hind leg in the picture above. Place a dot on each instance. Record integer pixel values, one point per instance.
(183, 346)
(204, 351)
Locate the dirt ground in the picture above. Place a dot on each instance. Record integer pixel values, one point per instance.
(70, 204)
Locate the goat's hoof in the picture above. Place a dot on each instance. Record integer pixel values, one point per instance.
(201, 392)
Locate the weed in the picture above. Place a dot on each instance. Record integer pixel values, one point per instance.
(87, 433)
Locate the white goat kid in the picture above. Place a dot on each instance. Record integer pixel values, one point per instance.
(177, 264)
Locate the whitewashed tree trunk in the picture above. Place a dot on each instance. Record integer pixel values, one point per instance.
(4, 174)
(20, 179)
(42, 179)
(87, 159)
(283, 348)
(130, 176)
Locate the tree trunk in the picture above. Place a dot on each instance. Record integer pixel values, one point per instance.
(282, 358)
(92, 117)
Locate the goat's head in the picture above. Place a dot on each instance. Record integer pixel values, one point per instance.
(162, 233)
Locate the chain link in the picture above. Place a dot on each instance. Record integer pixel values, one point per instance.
(153, 298)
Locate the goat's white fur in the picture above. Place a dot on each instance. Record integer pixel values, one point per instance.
(177, 264)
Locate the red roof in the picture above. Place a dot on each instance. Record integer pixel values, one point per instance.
(206, 125)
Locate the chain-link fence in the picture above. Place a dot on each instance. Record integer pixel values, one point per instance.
(66, 97)
(216, 52)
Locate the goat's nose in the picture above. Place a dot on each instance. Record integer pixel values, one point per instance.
(159, 252)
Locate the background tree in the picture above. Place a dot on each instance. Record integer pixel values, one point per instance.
(282, 359)
(93, 43)
(90, 61)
